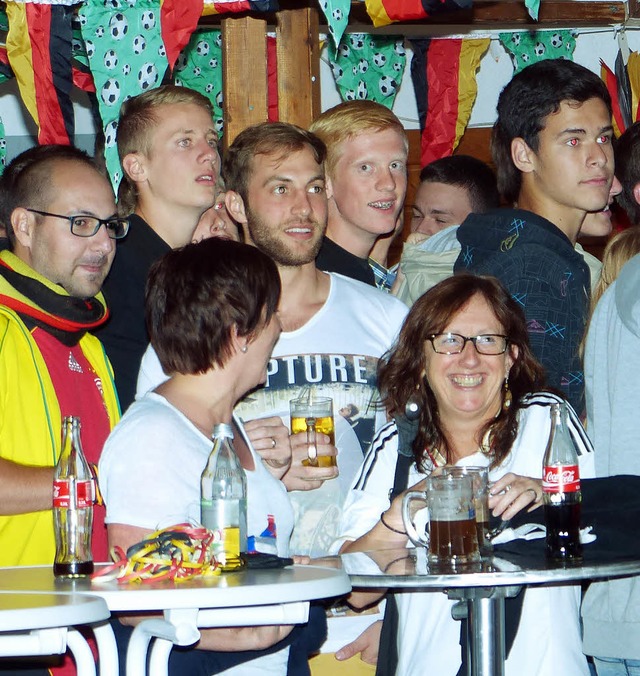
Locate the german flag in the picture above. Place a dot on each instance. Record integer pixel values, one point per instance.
(230, 6)
(178, 20)
(384, 12)
(39, 52)
(444, 79)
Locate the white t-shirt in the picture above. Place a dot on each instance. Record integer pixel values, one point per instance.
(336, 353)
(150, 471)
(548, 640)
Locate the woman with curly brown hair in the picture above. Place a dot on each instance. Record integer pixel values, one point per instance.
(462, 367)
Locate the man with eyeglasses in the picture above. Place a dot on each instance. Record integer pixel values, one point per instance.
(60, 216)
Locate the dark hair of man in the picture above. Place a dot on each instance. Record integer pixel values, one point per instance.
(197, 295)
(401, 371)
(524, 104)
(627, 157)
(279, 139)
(27, 182)
(468, 173)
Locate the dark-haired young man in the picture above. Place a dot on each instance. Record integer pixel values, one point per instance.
(450, 189)
(552, 149)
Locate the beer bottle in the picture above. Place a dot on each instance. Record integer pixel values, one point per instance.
(74, 494)
(561, 490)
(223, 500)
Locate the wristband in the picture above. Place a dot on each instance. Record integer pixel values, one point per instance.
(386, 525)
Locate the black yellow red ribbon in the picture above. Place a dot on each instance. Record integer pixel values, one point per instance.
(178, 553)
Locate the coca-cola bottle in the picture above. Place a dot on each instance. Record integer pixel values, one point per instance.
(561, 489)
(223, 499)
(74, 494)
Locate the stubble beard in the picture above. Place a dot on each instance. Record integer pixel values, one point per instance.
(265, 238)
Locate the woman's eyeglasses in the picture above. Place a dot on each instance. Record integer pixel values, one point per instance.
(453, 343)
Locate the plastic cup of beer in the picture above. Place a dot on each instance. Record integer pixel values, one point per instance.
(310, 417)
(451, 535)
(480, 481)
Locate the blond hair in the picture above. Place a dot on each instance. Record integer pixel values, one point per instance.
(349, 119)
(620, 248)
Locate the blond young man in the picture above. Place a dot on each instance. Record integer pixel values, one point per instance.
(366, 171)
(167, 144)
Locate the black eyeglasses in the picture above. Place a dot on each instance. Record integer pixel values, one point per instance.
(88, 226)
(453, 343)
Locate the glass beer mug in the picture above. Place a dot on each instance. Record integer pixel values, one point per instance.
(450, 533)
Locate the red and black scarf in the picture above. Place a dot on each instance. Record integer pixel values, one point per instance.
(40, 303)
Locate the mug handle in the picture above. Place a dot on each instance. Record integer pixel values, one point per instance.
(413, 534)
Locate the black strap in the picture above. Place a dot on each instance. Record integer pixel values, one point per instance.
(388, 650)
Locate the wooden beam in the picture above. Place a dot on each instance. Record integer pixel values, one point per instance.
(298, 55)
(498, 13)
(244, 81)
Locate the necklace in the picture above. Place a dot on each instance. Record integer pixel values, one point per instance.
(438, 460)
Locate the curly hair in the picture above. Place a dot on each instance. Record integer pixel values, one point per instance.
(401, 371)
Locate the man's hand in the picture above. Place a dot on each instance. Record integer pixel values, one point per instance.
(366, 644)
(301, 476)
(270, 438)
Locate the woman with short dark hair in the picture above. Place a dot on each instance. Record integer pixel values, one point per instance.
(211, 315)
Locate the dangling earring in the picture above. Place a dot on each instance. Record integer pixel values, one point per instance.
(413, 407)
(507, 397)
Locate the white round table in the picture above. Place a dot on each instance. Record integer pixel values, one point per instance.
(275, 596)
(42, 624)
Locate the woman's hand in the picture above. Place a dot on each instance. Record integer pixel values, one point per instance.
(512, 493)
(270, 438)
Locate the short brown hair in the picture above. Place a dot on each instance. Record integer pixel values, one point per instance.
(265, 138)
(137, 121)
(196, 295)
(350, 119)
(401, 370)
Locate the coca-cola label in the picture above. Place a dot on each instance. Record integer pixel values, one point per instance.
(85, 493)
(561, 479)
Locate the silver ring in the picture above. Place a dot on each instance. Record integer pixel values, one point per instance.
(507, 488)
(273, 442)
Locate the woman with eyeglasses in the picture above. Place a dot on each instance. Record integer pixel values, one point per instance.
(463, 370)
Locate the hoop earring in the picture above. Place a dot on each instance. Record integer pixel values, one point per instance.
(507, 397)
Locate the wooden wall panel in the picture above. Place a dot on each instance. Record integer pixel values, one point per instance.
(244, 45)
(298, 56)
